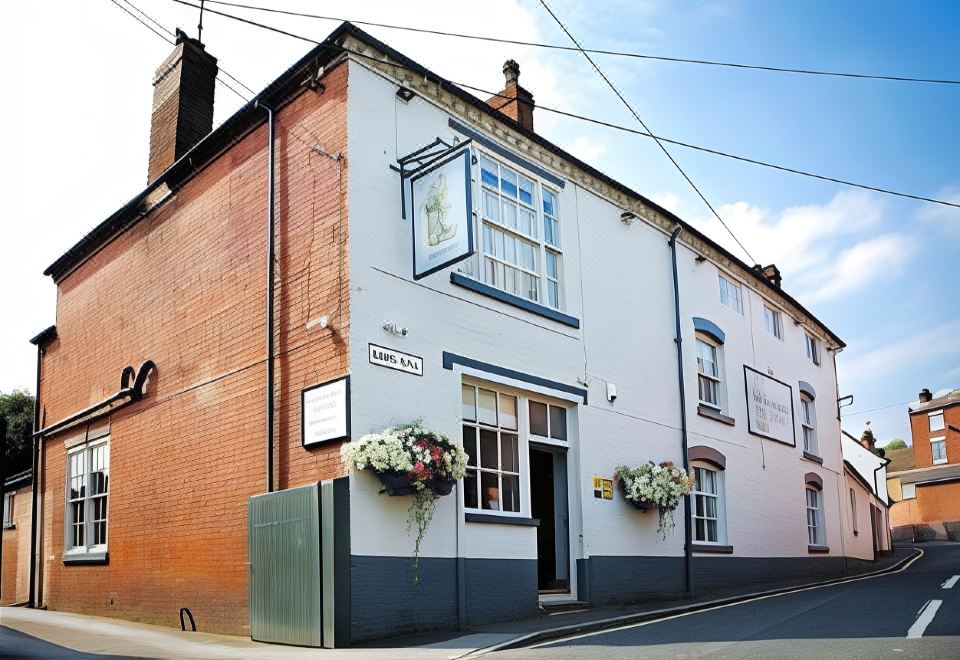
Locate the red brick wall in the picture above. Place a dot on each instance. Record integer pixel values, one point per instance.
(16, 551)
(939, 502)
(184, 287)
(921, 434)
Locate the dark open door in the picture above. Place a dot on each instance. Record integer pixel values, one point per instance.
(550, 505)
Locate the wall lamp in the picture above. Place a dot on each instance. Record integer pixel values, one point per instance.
(405, 94)
(394, 327)
(700, 258)
(627, 217)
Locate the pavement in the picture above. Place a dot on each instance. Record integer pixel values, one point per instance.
(47, 634)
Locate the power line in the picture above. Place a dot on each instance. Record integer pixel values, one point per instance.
(149, 18)
(644, 56)
(142, 22)
(592, 120)
(641, 122)
(870, 410)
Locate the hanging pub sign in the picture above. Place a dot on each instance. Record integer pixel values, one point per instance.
(442, 214)
(769, 407)
(325, 412)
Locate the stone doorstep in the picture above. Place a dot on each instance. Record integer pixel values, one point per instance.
(529, 639)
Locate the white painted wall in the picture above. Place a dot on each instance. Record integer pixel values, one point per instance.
(618, 282)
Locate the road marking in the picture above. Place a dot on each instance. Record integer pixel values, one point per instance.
(570, 638)
(949, 583)
(926, 615)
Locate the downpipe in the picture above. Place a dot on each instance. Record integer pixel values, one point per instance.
(271, 250)
(678, 340)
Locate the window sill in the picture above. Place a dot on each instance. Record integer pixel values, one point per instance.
(93, 558)
(942, 462)
(711, 413)
(540, 310)
(10, 526)
(715, 549)
(494, 519)
(812, 457)
(818, 549)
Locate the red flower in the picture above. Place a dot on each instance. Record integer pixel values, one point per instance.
(436, 453)
(418, 468)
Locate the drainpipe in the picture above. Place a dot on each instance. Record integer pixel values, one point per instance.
(687, 521)
(35, 498)
(271, 226)
(3, 487)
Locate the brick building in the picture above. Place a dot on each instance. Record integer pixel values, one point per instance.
(17, 498)
(190, 338)
(926, 481)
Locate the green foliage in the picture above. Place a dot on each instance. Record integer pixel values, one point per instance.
(896, 443)
(17, 408)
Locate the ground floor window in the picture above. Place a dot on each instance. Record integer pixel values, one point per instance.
(815, 531)
(88, 486)
(7, 510)
(708, 523)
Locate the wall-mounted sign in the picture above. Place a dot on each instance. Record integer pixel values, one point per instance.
(769, 407)
(391, 359)
(602, 488)
(442, 214)
(325, 412)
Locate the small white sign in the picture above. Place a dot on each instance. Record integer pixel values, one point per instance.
(769, 407)
(442, 215)
(391, 359)
(325, 412)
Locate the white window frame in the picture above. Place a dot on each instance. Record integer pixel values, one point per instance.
(719, 380)
(720, 502)
(816, 532)
(934, 415)
(812, 346)
(853, 510)
(808, 425)
(908, 488)
(773, 321)
(85, 449)
(9, 500)
(941, 439)
(478, 265)
(731, 294)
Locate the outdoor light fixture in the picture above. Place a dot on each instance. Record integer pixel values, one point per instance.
(405, 94)
(700, 258)
(322, 321)
(627, 217)
(395, 328)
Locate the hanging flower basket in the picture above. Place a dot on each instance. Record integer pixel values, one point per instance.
(655, 486)
(410, 460)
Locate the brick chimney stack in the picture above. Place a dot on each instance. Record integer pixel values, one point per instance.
(183, 89)
(772, 273)
(925, 395)
(514, 101)
(867, 439)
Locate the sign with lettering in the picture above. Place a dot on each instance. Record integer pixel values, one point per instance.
(391, 359)
(769, 407)
(325, 412)
(442, 214)
(602, 488)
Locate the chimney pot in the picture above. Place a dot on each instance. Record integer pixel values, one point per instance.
(514, 101)
(867, 439)
(772, 273)
(183, 91)
(925, 395)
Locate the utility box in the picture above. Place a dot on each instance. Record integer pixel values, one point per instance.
(299, 545)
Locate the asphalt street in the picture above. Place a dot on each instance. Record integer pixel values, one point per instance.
(911, 614)
(15, 644)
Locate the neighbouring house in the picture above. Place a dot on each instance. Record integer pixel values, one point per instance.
(925, 477)
(868, 512)
(17, 499)
(365, 244)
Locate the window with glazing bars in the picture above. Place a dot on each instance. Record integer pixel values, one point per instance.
(491, 440)
(520, 246)
(809, 425)
(88, 479)
(706, 506)
(708, 369)
(814, 520)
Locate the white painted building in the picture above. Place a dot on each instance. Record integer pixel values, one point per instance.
(564, 318)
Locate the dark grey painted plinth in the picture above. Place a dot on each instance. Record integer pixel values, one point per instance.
(385, 599)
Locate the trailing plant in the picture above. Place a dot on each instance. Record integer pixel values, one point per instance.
(426, 462)
(656, 486)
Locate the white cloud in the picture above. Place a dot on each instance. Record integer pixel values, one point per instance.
(588, 148)
(869, 261)
(946, 218)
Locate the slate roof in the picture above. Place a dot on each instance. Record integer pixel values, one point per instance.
(900, 460)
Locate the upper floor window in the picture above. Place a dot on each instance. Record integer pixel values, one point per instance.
(908, 491)
(8, 510)
(520, 249)
(853, 510)
(88, 486)
(709, 377)
(938, 450)
(936, 421)
(813, 348)
(808, 422)
(773, 322)
(708, 505)
(731, 295)
(815, 531)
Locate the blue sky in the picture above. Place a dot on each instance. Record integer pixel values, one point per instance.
(878, 270)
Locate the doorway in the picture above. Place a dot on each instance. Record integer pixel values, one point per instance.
(550, 505)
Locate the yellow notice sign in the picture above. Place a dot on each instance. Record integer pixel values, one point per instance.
(602, 488)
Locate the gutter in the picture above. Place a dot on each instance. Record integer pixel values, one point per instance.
(687, 520)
